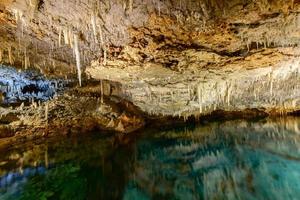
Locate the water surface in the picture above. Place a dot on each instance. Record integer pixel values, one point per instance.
(220, 160)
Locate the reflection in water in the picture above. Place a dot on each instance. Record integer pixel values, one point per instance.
(229, 160)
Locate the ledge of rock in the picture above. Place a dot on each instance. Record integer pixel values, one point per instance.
(266, 80)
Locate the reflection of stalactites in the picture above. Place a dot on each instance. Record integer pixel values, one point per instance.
(46, 159)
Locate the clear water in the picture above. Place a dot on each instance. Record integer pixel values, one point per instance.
(221, 160)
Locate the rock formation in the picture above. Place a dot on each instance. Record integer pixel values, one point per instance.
(169, 58)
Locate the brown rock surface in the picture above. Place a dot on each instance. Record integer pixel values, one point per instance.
(177, 58)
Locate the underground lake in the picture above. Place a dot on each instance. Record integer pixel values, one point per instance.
(238, 159)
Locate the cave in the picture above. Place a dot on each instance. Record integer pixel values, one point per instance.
(149, 99)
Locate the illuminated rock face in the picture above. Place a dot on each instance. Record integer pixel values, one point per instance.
(24, 86)
(234, 87)
(178, 58)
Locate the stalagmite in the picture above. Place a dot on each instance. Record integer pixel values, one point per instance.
(77, 55)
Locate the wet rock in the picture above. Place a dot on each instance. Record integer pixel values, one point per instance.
(67, 114)
(6, 131)
(8, 118)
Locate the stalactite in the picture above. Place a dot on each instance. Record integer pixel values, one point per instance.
(71, 38)
(47, 112)
(105, 55)
(25, 60)
(124, 5)
(199, 91)
(102, 91)
(229, 90)
(59, 37)
(10, 56)
(93, 23)
(158, 7)
(271, 83)
(1, 55)
(103, 45)
(130, 5)
(77, 55)
(189, 92)
(66, 36)
(248, 45)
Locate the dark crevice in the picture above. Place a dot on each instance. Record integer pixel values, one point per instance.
(40, 5)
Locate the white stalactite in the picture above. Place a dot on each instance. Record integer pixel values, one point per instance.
(10, 56)
(93, 22)
(130, 5)
(71, 38)
(229, 90)
(25, 60)
(271, 83)
(59, 37)
(102, 91)
(77, 55)
(66, 36)
(200, 98)
(46, 112)
(1, 54)
(103, 45)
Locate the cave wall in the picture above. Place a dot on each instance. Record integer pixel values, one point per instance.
(155, 47)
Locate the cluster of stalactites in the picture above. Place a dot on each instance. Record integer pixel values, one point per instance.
(275, 88)
(273, 34)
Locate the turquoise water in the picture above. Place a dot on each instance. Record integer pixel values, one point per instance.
(220, 160)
